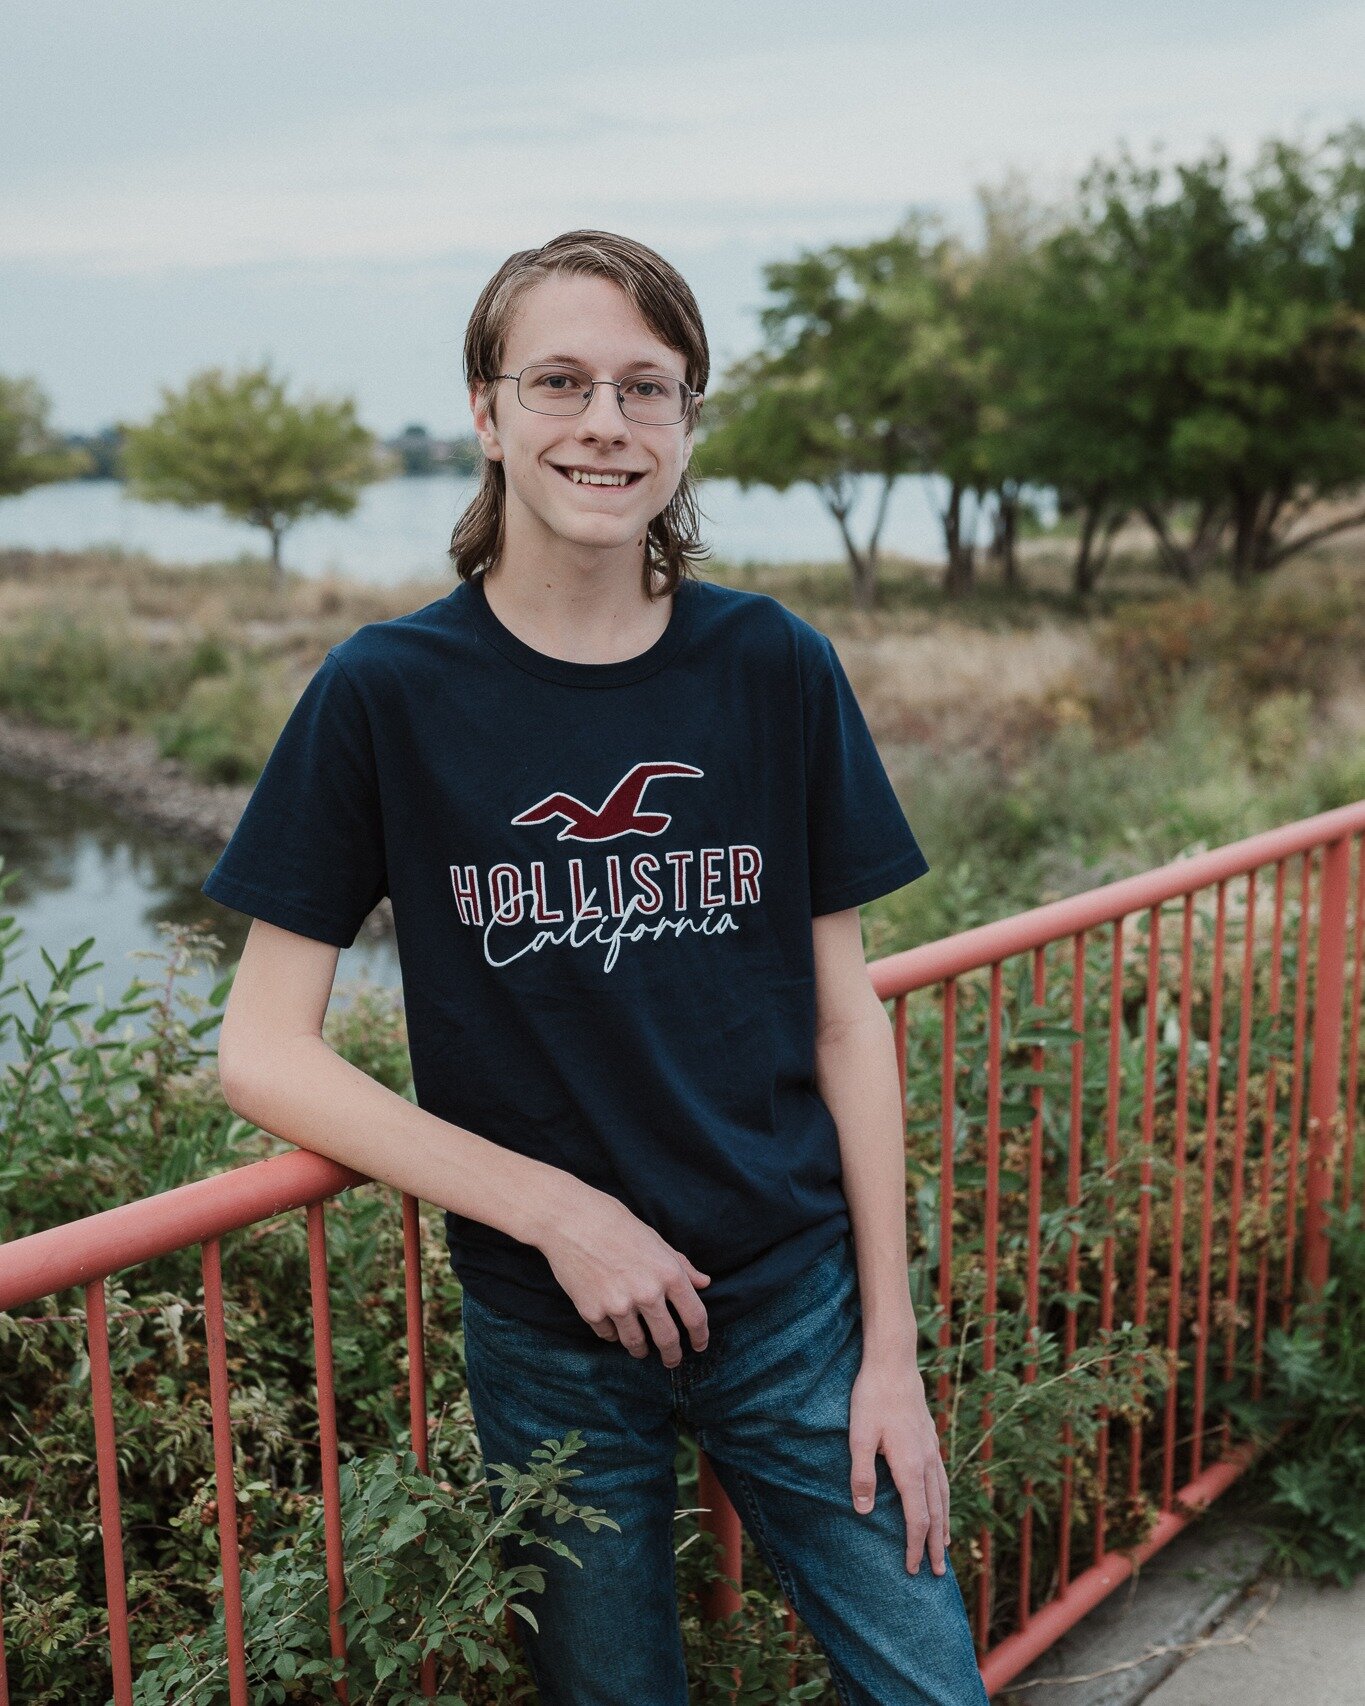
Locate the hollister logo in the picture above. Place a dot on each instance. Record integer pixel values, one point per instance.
(683, 889)
(619, 813)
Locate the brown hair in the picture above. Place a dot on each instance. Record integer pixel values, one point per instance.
(666, 305)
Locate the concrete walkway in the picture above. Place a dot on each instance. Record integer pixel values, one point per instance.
(1201, 1625)
(1284, 1642)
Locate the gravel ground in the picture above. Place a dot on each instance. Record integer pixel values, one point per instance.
(127, 773)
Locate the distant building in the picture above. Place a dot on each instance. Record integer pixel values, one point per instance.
(419, 453)
(104, 449)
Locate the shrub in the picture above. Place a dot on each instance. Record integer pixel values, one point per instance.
(423, 1579)
(1313, 1481)
(1280, 640)
(94, 1113)
(225, 726)
(97, 678)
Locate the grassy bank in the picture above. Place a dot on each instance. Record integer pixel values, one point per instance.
(1038, 747)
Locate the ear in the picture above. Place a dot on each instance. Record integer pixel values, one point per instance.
(485, 427)
(694, 423)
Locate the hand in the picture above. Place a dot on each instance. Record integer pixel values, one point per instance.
(616, 1269)
(888, 1409)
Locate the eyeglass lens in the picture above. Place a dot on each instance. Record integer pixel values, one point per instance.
(655, 399)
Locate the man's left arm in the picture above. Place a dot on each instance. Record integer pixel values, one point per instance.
(855, 1073)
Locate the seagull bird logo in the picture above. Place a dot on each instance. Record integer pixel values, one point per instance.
(619, 813)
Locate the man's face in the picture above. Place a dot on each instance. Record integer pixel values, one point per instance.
(591, 324)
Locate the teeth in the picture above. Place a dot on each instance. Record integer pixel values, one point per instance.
(581, 479)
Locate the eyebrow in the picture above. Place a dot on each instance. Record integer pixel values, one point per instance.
(651, 363)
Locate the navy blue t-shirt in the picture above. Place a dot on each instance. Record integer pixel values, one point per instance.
(603, 877)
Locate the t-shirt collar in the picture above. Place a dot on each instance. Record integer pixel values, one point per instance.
(566, 671)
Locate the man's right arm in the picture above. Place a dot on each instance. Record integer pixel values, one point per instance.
(276, 1071)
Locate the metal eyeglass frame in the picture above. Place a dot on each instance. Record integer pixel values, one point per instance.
(615, 384)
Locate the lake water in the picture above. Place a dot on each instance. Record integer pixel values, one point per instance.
(80, 870)
(402, 527)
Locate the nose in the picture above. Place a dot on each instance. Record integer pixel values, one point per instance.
(602, 420)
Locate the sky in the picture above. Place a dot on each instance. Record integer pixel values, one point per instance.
(328, 188)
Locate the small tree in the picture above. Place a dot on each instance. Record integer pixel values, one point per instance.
(832, 395)
(996, 306)
(1278, 365)
(878, 362)
(1195, 352)
(30, 453)
(238, 442)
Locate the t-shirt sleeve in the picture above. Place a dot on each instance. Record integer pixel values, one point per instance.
(308, 851)
(860, 843)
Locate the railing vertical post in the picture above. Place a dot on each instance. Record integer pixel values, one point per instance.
(220, 1401)
(329, 1466)
(720, 1518)
(1353, 1031)
(1324, 1082)
(4, 1673)
(106, 1459)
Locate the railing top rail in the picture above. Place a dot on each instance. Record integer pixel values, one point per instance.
(46, 1262)
(100, 1244)
(970, 950)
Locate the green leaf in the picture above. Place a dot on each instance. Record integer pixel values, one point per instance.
(404, 1528)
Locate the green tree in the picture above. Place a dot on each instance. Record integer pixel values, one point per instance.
(838, 390)
(961, 398)
(1277, 368)
(103, 452)
(413, 447)
(880, 360)
(1003, 285)
(1077, 358)
(238, 442)
(1195, 353)
(30, 453)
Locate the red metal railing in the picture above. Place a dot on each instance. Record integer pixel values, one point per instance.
(1326, 840)
(86, 1252)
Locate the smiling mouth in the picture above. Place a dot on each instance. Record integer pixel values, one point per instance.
(609, 479)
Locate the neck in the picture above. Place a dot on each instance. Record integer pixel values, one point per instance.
(574, 602)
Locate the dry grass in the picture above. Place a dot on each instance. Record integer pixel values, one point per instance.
(950, 663)
(923, 669)
(235, 603)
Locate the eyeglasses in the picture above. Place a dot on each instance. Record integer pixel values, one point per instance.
(652, 399)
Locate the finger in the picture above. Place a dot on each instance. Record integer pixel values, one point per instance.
(915, 1504)
(692, 1313)
(694, 1273)
(937, 1531)
(863, 1479)
(945, 1492)
(631, 1334)
(661, 1324)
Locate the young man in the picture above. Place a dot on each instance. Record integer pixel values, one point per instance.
(626, 818)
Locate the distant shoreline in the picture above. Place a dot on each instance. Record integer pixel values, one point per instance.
(127, 773)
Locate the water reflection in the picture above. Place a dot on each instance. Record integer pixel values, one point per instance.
(80, 870)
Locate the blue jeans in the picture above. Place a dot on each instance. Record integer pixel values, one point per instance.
(768, 1402)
